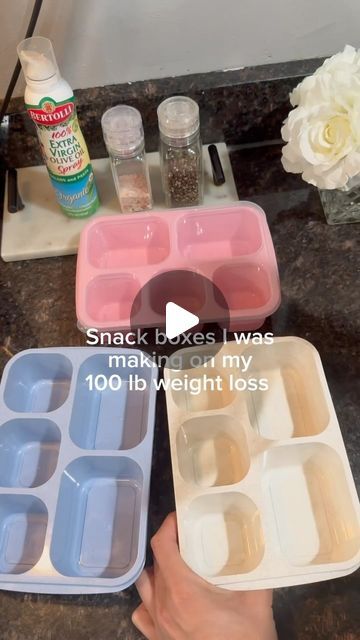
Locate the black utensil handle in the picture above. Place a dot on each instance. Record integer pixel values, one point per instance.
(14, 200)
(218, 173)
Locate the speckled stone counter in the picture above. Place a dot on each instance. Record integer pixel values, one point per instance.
(320, 271)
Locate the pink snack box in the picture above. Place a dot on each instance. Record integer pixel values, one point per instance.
(230, 245)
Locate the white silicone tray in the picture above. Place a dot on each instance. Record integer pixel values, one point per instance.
(264, 491)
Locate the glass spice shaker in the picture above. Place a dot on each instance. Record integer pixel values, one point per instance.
(124, 139)
(181, 152)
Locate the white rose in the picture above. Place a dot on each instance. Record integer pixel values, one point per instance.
(323, 131)
(342, 69)
(345, 61)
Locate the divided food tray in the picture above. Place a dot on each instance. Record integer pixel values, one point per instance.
(264, 491)
(231, 246)
(74, 471)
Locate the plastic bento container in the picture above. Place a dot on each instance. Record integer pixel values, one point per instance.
(74, 471)
(264, 492)
(231, 246)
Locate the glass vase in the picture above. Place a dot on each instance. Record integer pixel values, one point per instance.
(342, 206)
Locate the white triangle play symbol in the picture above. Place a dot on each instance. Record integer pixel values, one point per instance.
(178, 320)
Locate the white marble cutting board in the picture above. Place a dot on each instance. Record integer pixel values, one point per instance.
(40, 230)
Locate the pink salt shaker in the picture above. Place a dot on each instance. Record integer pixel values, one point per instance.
(124, 138)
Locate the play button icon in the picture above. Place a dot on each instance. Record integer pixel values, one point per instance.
(178, 320)
(167, 308)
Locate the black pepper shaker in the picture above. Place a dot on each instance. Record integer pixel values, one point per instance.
(181, 152)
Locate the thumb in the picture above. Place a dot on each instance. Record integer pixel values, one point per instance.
(166, 549)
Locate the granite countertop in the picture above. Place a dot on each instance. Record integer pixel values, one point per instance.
(320, 269)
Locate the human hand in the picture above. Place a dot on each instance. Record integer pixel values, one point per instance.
(179, 605)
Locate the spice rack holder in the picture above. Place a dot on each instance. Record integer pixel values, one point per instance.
(40, 230)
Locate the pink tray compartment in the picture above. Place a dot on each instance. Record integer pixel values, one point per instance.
(201, 237)
(111, 298)
(134, 243)
(229, 245)
(243, 286)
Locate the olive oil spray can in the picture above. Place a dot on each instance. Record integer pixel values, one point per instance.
(49, 101)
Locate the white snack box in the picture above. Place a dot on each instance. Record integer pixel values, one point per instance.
(264, 492)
